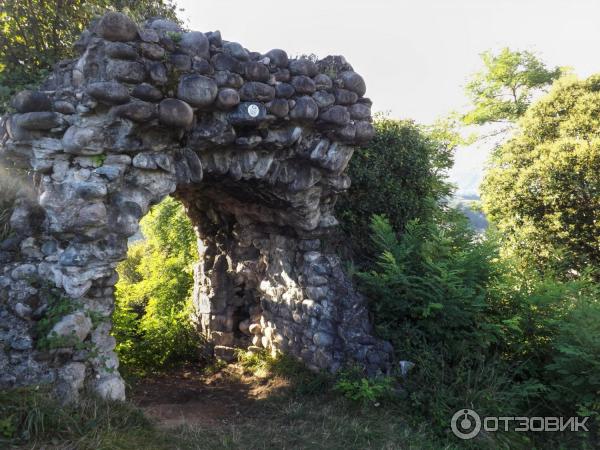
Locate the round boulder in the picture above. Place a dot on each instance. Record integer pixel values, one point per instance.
(39, 120)
(337, 115)
(164, 25)
(345, 97)
(175, 113)
(279, 107)
(120, 50)
(227, 98)
(195, 43)
(353, 82)
(126, 71)
(323, 99)
(147, 92)
(364, 131)
(31, 101)
(115, 26)
(322, 81)
(305, 109)
(303, 84)
(278, 57)
(223, 61)
(303, 67)
(152, 51)
(109, 92)
(137, 111)
(256, 71)
(254, 90)
(197, 90)
(237, 51)
(284, 90)
(360, 111)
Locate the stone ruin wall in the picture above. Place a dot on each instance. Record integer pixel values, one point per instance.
(254, 145)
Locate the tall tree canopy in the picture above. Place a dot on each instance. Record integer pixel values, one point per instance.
(35, 34)
(543, 186)
(504, 89)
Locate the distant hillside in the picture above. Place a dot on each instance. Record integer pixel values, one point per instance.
(469, 205)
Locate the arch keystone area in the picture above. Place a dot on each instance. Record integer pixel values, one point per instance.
(254, 145)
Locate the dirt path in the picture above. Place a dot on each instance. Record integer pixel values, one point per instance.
(192, 398)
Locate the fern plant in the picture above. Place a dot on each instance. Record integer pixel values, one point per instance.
(429, 286)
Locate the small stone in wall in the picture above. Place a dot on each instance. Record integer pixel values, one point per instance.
(109, 92)
(76, 324)
(176, 113)
(31, 101)
(303, 67)
(197, 90)
(305, 110)
(195, 43)
(116, 26)
(236, 50)
(147, 92)
(111, 387)
(277, 57)
(353, 82)
(227, 98)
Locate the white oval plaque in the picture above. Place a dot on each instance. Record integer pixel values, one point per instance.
(253, 110)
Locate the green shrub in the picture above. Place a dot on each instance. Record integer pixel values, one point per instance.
(428, 296)
(352, 384)
(400, 173)
(574, 371)
(482, 332)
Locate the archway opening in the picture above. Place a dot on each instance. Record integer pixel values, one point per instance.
(152, 320)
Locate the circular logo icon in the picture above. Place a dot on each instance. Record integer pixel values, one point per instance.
(253, 110)
(465, 424)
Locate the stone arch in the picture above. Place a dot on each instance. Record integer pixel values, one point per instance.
(254, 145)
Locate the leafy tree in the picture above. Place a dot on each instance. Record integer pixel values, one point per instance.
(400, 173)
(152, 317)
(505, 88)
(542, 188)
(35, 34)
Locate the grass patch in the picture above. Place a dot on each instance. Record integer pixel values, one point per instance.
(32, 418)
(9, 185)
(302, 381)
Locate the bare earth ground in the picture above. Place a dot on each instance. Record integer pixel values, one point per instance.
(189, 397)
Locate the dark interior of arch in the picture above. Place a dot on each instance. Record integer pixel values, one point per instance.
(254, 145)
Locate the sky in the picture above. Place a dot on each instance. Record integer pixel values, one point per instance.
(416, 55)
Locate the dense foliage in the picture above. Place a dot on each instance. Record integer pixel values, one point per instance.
(484, 328)
(506, 86)
(480, 332)
(430, 284)
(151, 321)
(400, 174)
(542, 188)
(36, 34)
